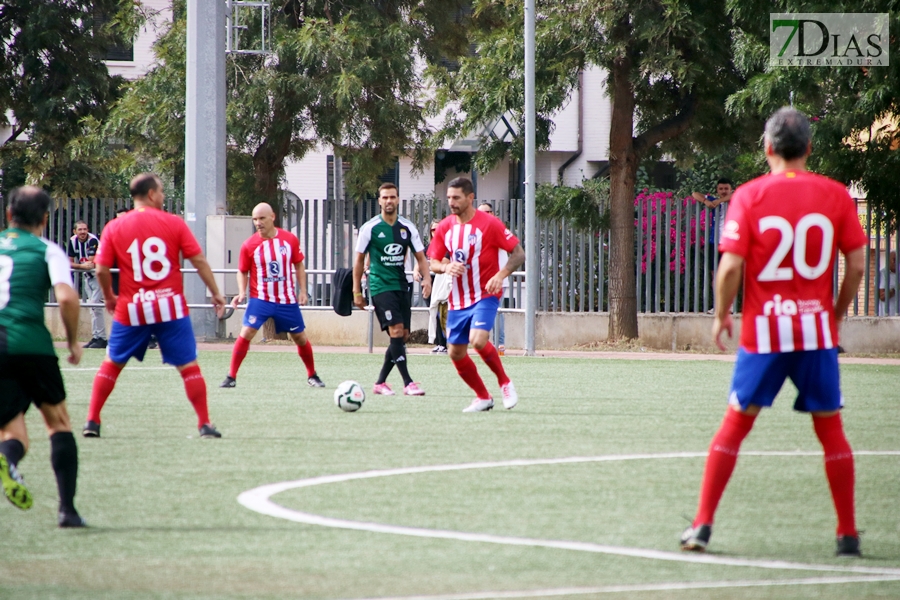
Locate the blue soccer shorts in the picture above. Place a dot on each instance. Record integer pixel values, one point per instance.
(176, 341)
(480, 315)
(758, 379)
(288, 318)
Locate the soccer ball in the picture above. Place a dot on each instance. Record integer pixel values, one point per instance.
(349, 396)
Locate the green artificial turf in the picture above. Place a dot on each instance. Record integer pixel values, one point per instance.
(165, 521)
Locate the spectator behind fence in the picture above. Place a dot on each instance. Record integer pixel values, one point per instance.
(437, 305)
(724, 189)
(887, 288)
(82, 249)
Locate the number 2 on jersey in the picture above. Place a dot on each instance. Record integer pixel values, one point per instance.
(6, 269)
(796, 237)
(154, 253)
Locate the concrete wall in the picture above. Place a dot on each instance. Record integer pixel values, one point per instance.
(554, 331)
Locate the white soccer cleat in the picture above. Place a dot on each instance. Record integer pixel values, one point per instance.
(510, 397)
(479, 405)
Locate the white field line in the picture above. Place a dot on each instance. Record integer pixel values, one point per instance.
(644, 587)
(258, 500)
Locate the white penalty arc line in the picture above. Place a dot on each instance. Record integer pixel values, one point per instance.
(258, 500)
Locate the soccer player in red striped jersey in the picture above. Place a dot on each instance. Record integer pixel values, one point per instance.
(472, 239)
(268, 262)
(783, 230)
(147, 244)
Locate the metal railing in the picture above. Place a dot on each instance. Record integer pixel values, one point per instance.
(675, 249)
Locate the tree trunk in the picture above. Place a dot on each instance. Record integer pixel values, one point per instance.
(623, 165)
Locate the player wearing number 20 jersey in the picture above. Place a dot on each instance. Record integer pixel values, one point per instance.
(783, 231)
(787, 227)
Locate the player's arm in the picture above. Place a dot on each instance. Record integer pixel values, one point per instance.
(359, 265)
(854, 268)
(516, 260)
(206, 275)
(302, 294)
(422, 268)
(69, 309)
(728, 282)
(104, 276)
(243, 279)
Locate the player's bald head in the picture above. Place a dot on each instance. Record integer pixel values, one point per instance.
(263, 209)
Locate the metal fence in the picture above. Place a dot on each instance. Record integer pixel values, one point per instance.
(675, 249)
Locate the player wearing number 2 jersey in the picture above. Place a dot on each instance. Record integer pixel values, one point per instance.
(783, 231)
(472, 239)
(268, 262)
(147, 244)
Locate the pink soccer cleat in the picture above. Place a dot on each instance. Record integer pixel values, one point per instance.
(383, 389)
(413, 389)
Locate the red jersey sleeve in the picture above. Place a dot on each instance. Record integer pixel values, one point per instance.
(437, 249)
(295, 249)
(244, 257)
(503, 236)
(736, 234)
(189, 245)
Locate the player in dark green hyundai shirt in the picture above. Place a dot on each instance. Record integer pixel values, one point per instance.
(386, 239)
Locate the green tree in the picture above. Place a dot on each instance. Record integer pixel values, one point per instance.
(341, 74)
(670, 70)
(52, 78)
(855, 110)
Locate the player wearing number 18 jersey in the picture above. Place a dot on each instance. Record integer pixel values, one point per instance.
(783, 231)
(147, 244)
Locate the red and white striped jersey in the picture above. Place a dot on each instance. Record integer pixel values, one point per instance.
(147, 245)
(476, 244)
(788, 228)
(270, 263)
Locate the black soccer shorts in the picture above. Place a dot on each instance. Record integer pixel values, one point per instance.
(27, 379)
(392, 308)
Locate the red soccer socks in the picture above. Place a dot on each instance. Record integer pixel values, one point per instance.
(195, 387)
(306, 355)
(720, 462)
(241, 346)
(469, 373)
(104, 382)
(839, 470)
(491, 358)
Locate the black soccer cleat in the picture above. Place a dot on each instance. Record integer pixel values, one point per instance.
(13, 485)
(229, 382)
(314, 381)
(91, 429)
(695, 539)
(848, 545)
(68, 520)
(208, 431)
